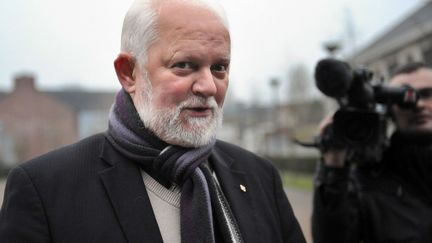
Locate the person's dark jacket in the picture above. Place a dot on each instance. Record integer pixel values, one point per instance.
(386, 202)
(88, 192)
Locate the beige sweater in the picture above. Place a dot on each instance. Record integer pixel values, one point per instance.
(166, 207)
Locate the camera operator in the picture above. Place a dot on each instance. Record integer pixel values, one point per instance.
(388, 201)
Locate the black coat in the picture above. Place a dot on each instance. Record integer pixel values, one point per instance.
(386, 202)
(87, 192)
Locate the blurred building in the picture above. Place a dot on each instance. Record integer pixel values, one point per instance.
(33, 122)
(409, 40)
(270, 131)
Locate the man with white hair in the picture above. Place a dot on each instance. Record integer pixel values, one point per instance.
(158, 174)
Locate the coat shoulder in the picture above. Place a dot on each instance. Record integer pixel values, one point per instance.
(248, 158)
(69, 157)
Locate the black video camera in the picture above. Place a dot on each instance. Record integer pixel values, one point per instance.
(360, 123)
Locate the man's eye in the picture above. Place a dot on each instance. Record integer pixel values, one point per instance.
(220, 67)
(184, 65)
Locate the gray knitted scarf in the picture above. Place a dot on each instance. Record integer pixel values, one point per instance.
(205, 215)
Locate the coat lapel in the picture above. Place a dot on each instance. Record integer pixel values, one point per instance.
(126, 191)
(237, 189)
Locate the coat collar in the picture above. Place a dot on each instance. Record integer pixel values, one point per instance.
(126, 191)
(237, 186)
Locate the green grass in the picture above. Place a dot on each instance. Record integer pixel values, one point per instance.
(302, 181)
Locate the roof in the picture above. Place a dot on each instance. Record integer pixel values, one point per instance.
(84, 100)
(414, 27)
(76, 98)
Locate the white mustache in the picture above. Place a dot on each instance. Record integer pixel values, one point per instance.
(195, 101)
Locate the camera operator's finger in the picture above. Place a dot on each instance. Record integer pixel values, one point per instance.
(325, 122)
(334, 157)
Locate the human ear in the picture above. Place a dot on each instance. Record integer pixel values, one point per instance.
(124, 66)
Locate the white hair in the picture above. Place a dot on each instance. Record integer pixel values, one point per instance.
(140, 24)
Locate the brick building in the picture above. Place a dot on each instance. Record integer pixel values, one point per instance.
(33, 122)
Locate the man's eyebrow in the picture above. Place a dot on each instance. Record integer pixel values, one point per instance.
(185, 55)
(226, 59)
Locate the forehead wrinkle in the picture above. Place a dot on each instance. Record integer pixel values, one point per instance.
(418, 79)
(200, 47)
(177, 37)
(209, 35)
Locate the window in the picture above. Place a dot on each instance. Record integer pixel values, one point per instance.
(427, 55)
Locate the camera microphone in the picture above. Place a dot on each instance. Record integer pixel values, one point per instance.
(333, 77)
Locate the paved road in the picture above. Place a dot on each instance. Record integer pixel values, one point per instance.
(2, 186)
(301, 202)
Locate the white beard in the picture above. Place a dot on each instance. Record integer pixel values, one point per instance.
(167, 124)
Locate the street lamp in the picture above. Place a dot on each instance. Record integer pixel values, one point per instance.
(274, 83)
(332, 47)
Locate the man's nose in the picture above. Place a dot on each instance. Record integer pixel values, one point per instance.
(204, 84)
(421, 103)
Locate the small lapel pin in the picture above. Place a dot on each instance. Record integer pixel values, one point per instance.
(242, 188)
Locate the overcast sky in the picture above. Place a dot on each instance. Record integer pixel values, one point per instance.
(74, 43)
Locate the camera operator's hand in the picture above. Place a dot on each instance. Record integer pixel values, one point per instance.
(333, 156)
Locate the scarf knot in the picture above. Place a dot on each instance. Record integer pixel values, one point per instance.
(177, 164)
